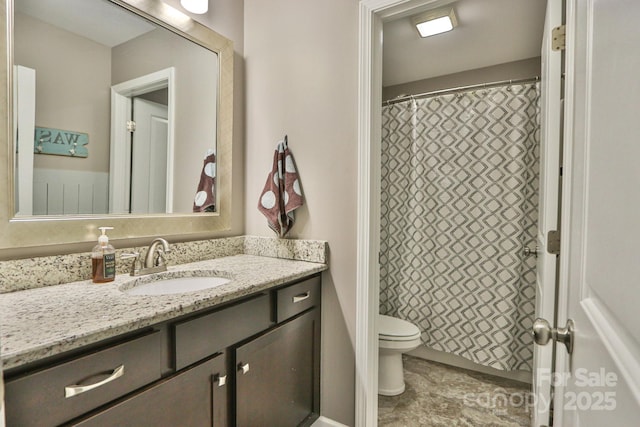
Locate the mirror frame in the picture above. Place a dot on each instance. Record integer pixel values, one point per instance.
(39, 231)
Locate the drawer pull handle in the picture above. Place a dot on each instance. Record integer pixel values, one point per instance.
(74, 390)
(244, 367)
(301, 297)
(221, 380)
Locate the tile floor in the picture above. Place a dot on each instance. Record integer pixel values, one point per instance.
(438, 395)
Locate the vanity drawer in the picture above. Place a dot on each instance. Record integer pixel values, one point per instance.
(200, 337)
(297, 298)
(62, 392)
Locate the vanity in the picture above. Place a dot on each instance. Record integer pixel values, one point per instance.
(246, 353)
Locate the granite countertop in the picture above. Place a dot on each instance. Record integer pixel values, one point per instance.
(47, 321)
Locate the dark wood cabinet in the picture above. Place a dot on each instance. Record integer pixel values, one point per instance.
(195, 397)
(56, 394)
(277, 375)
(294, 299)
(202, 336)
(251, 363)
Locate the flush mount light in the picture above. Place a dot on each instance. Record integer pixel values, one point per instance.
(195, 6)
(435, 22)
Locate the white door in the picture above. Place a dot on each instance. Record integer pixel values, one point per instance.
(550, 104)
(149, 157)
(599, 260)
(24, 107)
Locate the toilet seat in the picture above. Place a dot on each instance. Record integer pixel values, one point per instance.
(394, 329)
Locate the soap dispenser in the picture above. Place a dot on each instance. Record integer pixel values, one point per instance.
(103, 259)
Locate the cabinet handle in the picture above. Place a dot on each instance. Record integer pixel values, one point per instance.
(220, 379)
(74, 390)
(301, 297)
(244, 367)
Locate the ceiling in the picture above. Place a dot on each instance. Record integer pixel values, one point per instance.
(489, 32)
(100, 21)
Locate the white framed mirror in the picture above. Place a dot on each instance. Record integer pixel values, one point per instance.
(141, 193)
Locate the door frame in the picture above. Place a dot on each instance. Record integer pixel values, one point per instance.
(551, 127)
(372, 14)
(120, 157)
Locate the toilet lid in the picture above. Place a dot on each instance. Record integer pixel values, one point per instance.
(394, 329)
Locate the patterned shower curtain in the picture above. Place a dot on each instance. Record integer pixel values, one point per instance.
(459, 202)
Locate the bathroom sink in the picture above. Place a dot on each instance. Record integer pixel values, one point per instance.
(166, 285)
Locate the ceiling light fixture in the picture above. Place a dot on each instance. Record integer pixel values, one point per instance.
(435, 22)
(195, 6)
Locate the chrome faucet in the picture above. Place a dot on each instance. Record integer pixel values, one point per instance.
(150, 260)
(154, 260)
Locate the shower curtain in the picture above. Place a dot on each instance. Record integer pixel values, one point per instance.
(459, 202)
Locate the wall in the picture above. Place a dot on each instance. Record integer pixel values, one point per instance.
(195, 103)
(511, 70)
(302, 79)
(227, 18)
(72, 88)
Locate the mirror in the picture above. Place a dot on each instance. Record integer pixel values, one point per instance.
(79, 88)
(100, 89)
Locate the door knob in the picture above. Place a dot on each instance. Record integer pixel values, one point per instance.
(543, 333)
(527, 251)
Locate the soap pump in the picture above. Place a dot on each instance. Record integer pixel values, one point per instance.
(103, 259)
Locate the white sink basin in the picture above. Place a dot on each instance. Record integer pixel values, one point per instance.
(176, 285)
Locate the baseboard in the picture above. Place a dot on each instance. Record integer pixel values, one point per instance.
(460, 362)
(326, 422)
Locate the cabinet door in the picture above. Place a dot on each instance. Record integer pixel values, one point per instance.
(196, 397)
(277, 377)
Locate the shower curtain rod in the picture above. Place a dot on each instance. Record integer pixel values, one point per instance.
(402, 98)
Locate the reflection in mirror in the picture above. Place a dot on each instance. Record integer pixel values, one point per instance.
(143, 97)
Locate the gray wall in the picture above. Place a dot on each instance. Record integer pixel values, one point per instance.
(511, 70)
(160, 96)
(195, 104)
(72, 88)
(302, 80)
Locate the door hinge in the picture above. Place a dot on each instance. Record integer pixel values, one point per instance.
(558, 37)
(553, 242)
(131, 126)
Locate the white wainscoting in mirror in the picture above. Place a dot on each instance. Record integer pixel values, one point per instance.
(65, 192)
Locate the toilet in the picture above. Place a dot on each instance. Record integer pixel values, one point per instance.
(395, 336)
